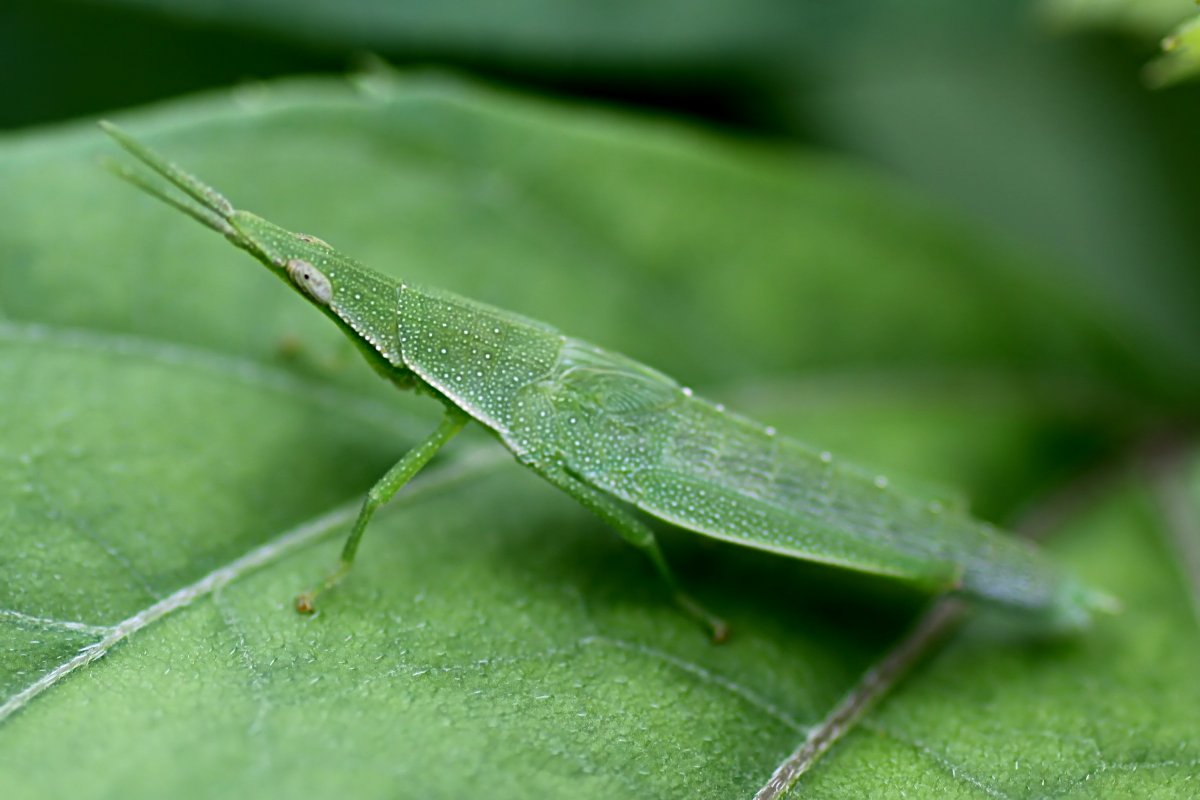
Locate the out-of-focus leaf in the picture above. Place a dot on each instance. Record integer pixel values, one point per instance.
(1181, 55)
(1050, 140)
(580, 31)
(53, 65)
(1144, 17)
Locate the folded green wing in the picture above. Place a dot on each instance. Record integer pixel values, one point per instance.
(635, 433)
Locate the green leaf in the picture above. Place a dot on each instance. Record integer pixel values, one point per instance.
(174, 466)
(1180, 59)
(1145, 17)
(1053, 141)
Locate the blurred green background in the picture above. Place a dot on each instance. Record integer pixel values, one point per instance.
(969, 107)
(953, 241)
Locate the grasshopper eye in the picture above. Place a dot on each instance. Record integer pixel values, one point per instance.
(311, 280)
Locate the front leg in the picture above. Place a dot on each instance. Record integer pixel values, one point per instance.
(393, 480)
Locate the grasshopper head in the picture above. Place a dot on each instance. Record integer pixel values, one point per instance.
(362, 301)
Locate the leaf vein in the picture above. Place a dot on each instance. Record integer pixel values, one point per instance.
(478, 460)
(707, 676)
(954, 770)
(54, 624)
(877, 681)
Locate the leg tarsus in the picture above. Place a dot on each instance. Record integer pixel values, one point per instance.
(717, 628)
(306, 602)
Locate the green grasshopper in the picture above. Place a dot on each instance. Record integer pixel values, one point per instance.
(617, 435)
